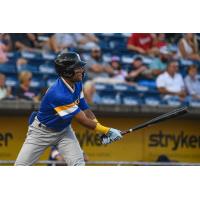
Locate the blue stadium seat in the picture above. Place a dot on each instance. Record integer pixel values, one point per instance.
(131, 99)
(28, 67)
(103, 87)
(123, 87)
(147, 83)
(50, 81)
(173, 102)
(195, 103)
(37, 82)
(48, 56)
(107, 57)
(12, 81)
(152, 99)
(8, 68)
(127, 58)
(30, 55)
(47, 69)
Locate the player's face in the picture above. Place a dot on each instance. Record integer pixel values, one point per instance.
(78, 74)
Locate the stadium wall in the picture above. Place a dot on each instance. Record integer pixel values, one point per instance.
(178, 139)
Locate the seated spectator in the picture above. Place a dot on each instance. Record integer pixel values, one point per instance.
(5, 92)
(96, 67)
(142, 43)
(46, 42)
(192, 82)
(86, 41)
(170, 83)
(24, 91)
(23, 41)
(3, 50)
(158, 64)
(188, 47)
(97, 70)
(65, 40)
(160, 40)
(118, 73)
(137, 70)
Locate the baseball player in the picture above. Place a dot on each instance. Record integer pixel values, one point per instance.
(51, 125)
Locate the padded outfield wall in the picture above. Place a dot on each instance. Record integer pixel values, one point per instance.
(178, 139)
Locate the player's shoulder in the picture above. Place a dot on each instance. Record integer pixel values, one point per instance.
(57, 90)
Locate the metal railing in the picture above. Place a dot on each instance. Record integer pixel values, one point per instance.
(107, 163)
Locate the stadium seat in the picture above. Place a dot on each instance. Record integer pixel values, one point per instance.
(12, 81)
(104, 87)
(123, 87)
(131, 99)
(37, 82)
(147, 83)
(50, 82)
(195, 103)
(30, 55)
(152, 99)
(46, 69)
(107, 57)
(127, 59)
(48, 56)
(8, 68)
(173, 102)
(28, 67)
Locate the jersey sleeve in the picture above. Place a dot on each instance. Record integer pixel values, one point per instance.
(65, 108)
(83, 104)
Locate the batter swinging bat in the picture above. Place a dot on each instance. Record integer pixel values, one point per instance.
(169, 115)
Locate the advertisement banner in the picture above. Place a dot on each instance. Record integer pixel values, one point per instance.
(177, 140)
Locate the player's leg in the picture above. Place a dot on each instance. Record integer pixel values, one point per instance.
(29, 154)
(32, 148)
(69, 148)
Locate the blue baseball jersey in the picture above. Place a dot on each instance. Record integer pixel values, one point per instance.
(60, 104)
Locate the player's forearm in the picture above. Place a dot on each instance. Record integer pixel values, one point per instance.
(89, 114)
(91, 124)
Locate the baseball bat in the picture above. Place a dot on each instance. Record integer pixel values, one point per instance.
(169, 115)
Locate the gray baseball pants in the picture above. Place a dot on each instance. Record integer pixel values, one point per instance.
(39, 137)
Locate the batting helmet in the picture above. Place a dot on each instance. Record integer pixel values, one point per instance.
(65, 63)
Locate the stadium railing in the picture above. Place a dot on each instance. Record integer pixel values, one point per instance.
(108, 163)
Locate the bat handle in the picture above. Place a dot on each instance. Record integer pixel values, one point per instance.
(126, 132)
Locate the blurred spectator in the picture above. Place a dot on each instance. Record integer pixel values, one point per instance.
(56, 156)
(96, 67)
(97, 71)
(137, 70)
(160, 40)
(86, 41)
(5, 92)
(142, 43)
(24, 91)
(46, 42)
(22, 41)
(3, 50)
(192, 82)
(65, 40)
(158, 64)
(119, 74)
(170, 83)
(188, 47)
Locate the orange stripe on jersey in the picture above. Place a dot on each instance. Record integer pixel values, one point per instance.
(65, 107)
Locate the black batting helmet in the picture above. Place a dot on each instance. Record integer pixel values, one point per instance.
(66, 62)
